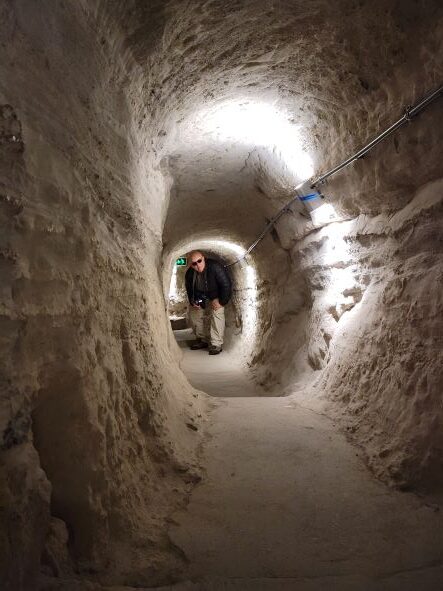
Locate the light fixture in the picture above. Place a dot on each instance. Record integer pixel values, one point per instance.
(321, 213)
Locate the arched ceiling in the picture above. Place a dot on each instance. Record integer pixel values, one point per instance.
(337, 72)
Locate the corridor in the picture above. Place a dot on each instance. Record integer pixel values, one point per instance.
(287, 504)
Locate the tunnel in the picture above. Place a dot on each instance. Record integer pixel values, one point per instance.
(307, 455)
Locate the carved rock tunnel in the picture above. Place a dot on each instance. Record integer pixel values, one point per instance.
(132, 132)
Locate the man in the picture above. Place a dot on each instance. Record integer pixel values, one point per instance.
(209, 290)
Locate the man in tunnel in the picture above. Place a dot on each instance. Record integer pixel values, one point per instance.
(209, 289)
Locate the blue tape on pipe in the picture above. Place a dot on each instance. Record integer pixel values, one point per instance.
(310, 197)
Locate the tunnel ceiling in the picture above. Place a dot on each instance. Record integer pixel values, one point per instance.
(336, 71)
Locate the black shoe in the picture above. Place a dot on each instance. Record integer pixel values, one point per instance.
(215, 350)
(199, 344)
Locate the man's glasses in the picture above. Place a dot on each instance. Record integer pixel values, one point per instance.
(195, 263)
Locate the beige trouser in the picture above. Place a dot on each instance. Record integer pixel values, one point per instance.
(208, 324)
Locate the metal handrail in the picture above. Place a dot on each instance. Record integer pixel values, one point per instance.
(410, 112)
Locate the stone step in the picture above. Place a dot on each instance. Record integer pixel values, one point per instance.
(179, 323)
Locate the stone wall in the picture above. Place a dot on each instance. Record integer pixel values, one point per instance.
(96, 443)
(357, 321)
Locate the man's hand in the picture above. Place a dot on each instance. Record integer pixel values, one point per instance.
(195, 305)
(216, 304)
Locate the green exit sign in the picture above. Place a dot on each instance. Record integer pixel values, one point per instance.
(181, 262)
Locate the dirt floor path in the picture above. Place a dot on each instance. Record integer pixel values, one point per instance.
(217, 375)
(287, 504)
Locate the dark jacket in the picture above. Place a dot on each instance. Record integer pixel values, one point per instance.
(216, 279)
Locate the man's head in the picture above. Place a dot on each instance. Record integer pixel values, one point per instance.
(197, 261)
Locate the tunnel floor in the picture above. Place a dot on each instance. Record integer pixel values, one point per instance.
(218, 375)
(286, 503)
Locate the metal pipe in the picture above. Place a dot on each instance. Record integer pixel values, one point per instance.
(410, 112)
(266, 229)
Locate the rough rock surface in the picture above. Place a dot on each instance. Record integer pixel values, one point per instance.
(105, 162)
(368, 321)
(94, 410)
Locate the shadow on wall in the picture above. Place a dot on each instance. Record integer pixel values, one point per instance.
(60, 425)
